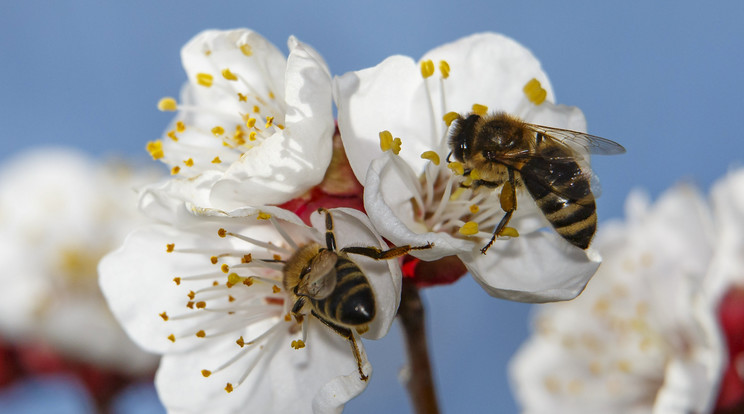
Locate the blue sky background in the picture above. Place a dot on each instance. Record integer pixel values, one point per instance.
(662, 78)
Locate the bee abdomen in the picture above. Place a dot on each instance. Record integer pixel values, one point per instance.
(567, 202)
(575, 222)
(352, 301)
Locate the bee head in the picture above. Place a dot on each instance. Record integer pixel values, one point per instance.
(461, 137)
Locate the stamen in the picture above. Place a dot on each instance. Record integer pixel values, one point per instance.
(167, 104)
(431, 156)
(164, 316)
(155, 149)
(216, 160)
(456, 167)
(218, 130)
(479, 109)
(189, 162)
(297, 344)
(180, 127)
(204, 79)
(169, 247)
(387, 143)
(246, 49)
(470, 228)
(535, 92)
(229, 75)
(177, 280)
(172, 135)
(444, 68)
(427, 68)
(175, 170)
(449, 117)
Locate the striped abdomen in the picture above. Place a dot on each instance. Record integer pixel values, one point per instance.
(352, 302)
(563, 193)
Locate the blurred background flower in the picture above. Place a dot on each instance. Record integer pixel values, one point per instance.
(670, 96)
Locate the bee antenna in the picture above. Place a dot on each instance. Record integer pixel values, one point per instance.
(448, 156)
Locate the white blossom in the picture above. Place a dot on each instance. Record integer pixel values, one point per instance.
(413, 196)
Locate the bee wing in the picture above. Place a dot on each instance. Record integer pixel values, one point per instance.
(591, 144)
(320, 281)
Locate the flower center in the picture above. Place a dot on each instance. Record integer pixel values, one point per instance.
(243, 110)
(240, 296)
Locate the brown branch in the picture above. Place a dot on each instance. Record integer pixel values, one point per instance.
(420, 383)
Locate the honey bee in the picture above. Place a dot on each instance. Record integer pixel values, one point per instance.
(325, 281)
(502, 150)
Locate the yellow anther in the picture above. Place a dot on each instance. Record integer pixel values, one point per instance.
(222, 232)
(298, 344)
(216, 160)
(248, 281)
(164, 316)
(457, 193)
(449, 117)
(246, 49)
(269, 121)
(204, 79)
(456, 167)
(470, 228)
(191, 294)
(387, 143)
(263, 216)
(271, 95)
(240, 342)
(480, 109)
(250, 122)
(225, 268)
(229, 387)
(252, 136)
(233, 279)
(180, 127)
(247, 258)
(474, 209)
(275, 289)
(172, 338)
(155, 149)
(201, 334)
(177, 280)
(169, 247)
(207, 52)
(201, 304)
(189, 162)
(190, 305)
(175, 170)
(229, 75)
(256, 109)
(431, 156)
(167, 104)
(280, 126)
(213, 259)
(444, 69)
(474, 175)
(509, 232)
(172, 135)
(230, 298)
(242, 98)
(218, 130)
(427, 68)
(206, 373)
(535, 92)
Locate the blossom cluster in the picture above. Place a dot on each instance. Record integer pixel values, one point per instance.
(277, 215)
(658, 328)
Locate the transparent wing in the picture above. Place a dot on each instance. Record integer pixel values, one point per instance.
(592, 144)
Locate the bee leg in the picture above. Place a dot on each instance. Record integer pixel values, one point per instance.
(508, 199)
(330, 237)
(377, 254)
(349, 335)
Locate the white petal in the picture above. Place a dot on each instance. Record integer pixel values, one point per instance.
(319, 378)
(536, 267)
(393, 217)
